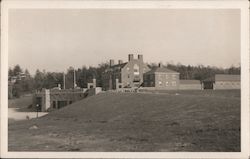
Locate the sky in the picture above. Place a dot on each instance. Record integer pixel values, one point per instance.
(55, 39)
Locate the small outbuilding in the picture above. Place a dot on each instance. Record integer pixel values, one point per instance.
(208, 83)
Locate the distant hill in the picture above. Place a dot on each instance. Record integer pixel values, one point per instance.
(169, 121)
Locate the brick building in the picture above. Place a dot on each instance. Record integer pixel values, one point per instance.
(124, 75)
(161, 78)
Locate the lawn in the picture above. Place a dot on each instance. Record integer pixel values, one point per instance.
(195, 121)
(22, 104)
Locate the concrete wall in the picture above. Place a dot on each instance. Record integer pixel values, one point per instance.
(190, 87)
(47, 100)
(94, 91)
(51, 99)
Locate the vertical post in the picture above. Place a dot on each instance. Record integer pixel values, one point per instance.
(63, 80)
(74, 86)
(37, 107)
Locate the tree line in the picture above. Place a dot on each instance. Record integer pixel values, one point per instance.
(21, 82)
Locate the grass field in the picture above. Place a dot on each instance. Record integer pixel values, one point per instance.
(21, 103)
(195, 121)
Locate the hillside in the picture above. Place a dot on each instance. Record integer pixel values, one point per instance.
(198, 121)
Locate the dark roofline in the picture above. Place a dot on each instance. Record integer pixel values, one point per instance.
(121, 65)
(161, 70)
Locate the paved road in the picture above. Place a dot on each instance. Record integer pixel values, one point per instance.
(14, 115)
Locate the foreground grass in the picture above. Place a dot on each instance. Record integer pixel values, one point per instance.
(186, 121)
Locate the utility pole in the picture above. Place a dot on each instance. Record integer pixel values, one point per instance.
(74, 79)
(63, 80)
(37, 107)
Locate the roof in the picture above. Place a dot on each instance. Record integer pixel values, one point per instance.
(161, 70)
(119, 65)
(190, 82)
(227, 77)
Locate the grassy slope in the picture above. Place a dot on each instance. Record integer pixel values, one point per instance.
(190, 121)
(21, 103)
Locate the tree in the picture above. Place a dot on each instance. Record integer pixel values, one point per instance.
(26, 72)
(39, 79)
(10, 72)
(17, 70)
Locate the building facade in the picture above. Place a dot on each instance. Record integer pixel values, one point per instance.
(124, 75)
(161, 78)
(56, 98)
(49, 99)
(227, 81)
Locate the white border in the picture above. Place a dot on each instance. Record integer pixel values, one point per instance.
(242, 5)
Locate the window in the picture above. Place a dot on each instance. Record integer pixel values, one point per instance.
(160, 83)
(136, 69)
(167, 83)
(54, 104)
(136, 78)
(128, 76)
(151, 77)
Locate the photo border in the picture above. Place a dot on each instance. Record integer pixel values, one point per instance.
(242, 5)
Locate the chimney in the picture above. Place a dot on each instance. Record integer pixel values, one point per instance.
(120, 61)
(130, 57)
(140, 57)
(111, 62)
(160, 65)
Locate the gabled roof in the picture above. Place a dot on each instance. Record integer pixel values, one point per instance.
(161, 70)
(190, 82)
(227, 77)
(119, 65)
